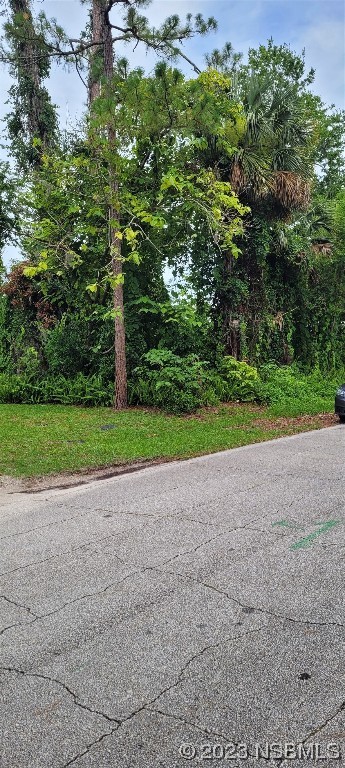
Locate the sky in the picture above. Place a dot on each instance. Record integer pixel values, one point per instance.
(318, 26)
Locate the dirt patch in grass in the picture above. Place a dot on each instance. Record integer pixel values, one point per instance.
(282, 422)
(225, 408)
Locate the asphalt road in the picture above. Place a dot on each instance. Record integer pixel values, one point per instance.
(188, 614)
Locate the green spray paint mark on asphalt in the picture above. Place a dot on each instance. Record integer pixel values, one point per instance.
(307, 540)
(287, 524)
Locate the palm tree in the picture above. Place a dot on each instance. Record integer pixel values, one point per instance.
(271, 172)
(270, 166)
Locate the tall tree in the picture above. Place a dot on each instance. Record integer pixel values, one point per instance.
(102, 71)
(32, 124)
(96, 55)
(130, 26)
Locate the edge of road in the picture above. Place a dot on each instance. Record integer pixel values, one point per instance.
(10, 486)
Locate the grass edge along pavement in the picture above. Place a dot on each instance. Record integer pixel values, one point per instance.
(41, 440)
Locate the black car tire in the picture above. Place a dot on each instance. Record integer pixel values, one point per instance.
(342, 417)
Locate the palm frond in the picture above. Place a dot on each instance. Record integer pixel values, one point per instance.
(237, 177)
(290, 190)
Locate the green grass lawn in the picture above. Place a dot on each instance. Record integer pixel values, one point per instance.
(43, 439)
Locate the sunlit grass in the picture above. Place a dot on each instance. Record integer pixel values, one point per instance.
(44, 439)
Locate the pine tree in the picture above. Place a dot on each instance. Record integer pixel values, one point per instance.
(105, 34)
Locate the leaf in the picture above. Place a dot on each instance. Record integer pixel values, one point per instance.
(130, 234)
(30, 271)
(170, 181)
(115, 280)
(111, 314)
(134, 257)
(160, 384)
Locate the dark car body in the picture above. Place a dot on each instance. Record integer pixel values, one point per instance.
(340, 402)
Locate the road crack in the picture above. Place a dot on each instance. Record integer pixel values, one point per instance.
(47, 525)
(144, 707)
(66, 688)
(89, 747)
(69, 551)
(323, 725)
(245, 606)
(317, 730)
(17, 623)
(147, 706)
(183, 720)
(19, 605)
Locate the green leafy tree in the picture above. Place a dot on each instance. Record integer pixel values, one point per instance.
(265, 155)
(163, 194)
(281, 166)
(128, 26)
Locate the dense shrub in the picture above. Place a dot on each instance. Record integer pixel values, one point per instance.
(81, 390)
(280, 383)
(79, 343)
(288, 390)
(240, 380)
(177, 384)
(180, 384)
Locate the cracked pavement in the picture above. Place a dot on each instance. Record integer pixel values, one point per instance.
(197, 602)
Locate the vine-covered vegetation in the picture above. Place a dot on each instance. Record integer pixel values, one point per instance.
(228, 182)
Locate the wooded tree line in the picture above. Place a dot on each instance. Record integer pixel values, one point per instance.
(232, 177)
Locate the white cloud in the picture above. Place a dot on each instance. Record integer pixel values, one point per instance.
(325, 51)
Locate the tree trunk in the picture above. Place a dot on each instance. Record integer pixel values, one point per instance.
(229, 326)
(102, 67)
(120, 337)
(96, 63)
(120, 400)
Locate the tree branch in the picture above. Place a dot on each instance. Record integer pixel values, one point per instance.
(77, 68)
(183, 56)
(56, 51)
(157, 44)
